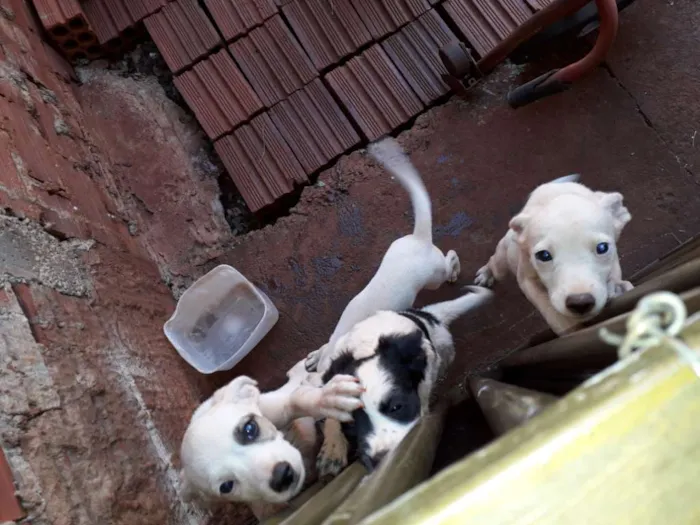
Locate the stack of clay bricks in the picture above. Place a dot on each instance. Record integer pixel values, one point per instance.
(284, 87)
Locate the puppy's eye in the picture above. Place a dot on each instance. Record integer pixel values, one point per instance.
(543, 256)
(395, 408)
(250, 431)
(226, 487)
(602, 248)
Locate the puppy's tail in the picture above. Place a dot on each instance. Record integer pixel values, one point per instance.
(574, 177)
(389, 154)
(448, 311)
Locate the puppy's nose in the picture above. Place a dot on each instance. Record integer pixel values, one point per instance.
(580, 303)
(282, 477)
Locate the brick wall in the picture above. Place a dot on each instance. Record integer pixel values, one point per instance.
(93, 400)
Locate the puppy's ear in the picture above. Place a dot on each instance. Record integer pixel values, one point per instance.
(344, 364)
(243, 389)
(188, 493)
(518, 225)
(612, 202)
(407, 352)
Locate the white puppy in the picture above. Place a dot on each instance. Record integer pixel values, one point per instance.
(411, 264)
(562, 248)
(398, 357)
(234, 448)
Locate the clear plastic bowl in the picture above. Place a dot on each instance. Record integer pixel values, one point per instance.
(219, 319)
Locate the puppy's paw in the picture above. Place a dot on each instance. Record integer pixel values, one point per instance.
(312, 360)
(314, 379)
(484, 277)
(622, 287)
(453, 266)
(478, 290)
(340, 397)
(333, 457)
(298, 371)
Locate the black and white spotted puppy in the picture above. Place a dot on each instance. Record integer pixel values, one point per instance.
(398, 358)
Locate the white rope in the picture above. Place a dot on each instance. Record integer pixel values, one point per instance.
(658, 317)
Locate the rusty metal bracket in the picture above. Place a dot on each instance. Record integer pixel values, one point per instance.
(463, 72)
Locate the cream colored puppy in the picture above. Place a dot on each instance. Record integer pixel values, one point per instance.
(235, 448)
(562, 248)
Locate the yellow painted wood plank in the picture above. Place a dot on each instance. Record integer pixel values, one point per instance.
(624, 448)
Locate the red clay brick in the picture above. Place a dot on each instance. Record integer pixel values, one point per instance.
(538, 5)
(20, 207)
(385, 16)
(9, 506)
(68, 27)
(414, 50)
(218, 93)
(183, 33)
(108, 18)
(328, 31)
(374, 92)
(33, 156)
(72, 227)
(9, 179)
(273, 61)
(314, 126)
(56, 15)
(485, 23)
(260, 162)
(235, 17)
(140, 9)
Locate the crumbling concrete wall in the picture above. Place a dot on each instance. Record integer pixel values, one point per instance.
(93, 400)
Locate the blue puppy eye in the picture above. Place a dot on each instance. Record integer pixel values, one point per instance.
(543, 255)
(226, 487)
(602, 248)
(251, 430)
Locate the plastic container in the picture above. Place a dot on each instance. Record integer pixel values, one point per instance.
(219, 319)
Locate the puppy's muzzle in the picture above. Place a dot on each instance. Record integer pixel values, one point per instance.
(580, 303)
(283, 477)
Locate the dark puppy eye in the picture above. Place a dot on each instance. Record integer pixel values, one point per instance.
(543, 256)
(602, 248)
(226, 487)
(395, 408)
(250, 431)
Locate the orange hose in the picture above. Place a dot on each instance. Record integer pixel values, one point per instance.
(608, 16)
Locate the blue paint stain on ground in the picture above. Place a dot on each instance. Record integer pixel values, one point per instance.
(298, 271)
(459, 222)
(327, 267)
(350, 220)
(444, 158)
(454, 181)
